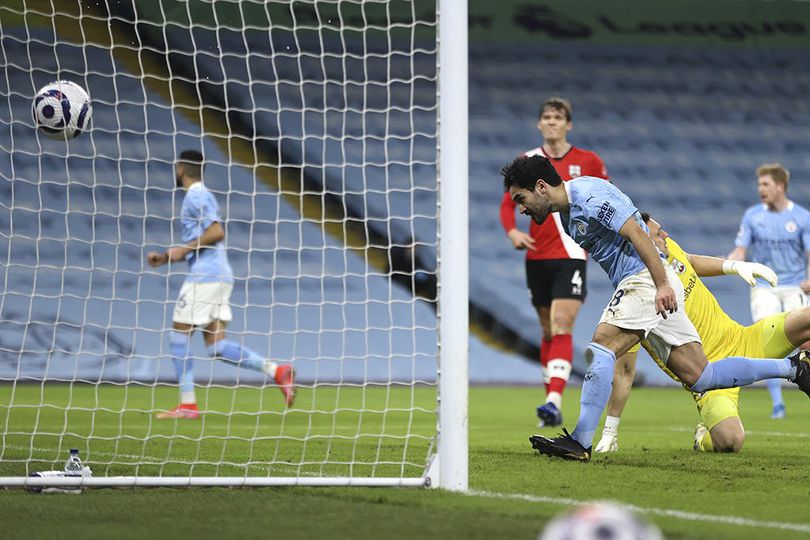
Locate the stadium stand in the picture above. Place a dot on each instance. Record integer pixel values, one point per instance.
(681, 131)
(77, 220)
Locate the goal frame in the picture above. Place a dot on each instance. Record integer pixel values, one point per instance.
(448, 468)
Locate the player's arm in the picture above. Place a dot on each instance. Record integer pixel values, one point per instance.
(737, 254)
(743, 239)
(665, 300)
(213, 234)
(519, 239)
(706, 266)
(805, 285)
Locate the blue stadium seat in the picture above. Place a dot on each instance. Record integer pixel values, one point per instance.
(78, 218)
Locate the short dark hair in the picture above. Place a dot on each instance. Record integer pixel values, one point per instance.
(524, 171)
(192, 161)
(645, 217)
(558, 104)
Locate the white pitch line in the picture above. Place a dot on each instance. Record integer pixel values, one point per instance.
(152, 459)
(677, 514)
(797, 434)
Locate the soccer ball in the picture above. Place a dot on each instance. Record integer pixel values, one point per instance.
(62, 110)
(598, 521)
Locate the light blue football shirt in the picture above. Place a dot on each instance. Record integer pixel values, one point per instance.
(598, 209)
(200, 210)
(779, 240)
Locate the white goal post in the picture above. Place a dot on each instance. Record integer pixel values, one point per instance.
(335, 142)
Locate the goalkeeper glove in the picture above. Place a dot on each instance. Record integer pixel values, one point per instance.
(749, 272)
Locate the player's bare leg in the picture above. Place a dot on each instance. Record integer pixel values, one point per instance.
(544, 316)
(797, 327)
(727, 436)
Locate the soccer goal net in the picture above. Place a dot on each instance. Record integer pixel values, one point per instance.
(329, 130)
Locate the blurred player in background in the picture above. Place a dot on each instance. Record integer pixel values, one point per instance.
(775, 336)
(603, 220)
(555, 264)
(204, 297)
(776, 233)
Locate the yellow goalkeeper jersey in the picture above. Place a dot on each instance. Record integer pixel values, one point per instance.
(719, 333)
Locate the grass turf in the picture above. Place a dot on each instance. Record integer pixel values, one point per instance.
(655, 469)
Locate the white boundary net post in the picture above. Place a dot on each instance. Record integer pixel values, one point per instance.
(453, 246)
(355, 80)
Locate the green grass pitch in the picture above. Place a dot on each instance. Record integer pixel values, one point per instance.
(762, 491)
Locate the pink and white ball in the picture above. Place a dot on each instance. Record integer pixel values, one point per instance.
(62, 110)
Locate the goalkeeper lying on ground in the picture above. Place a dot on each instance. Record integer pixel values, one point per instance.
(776, 336)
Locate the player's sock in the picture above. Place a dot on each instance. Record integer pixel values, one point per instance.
(545, 347)
(183, 366)
(610, 435)
(775, 389)
(612, 423)
(595, 392)
(559, 367)
(236, 354)
(738, 371)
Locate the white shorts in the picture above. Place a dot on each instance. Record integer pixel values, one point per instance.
(633, 308)
(766, 301)
(202, 303)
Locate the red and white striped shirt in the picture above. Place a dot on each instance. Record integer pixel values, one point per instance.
(550, 239)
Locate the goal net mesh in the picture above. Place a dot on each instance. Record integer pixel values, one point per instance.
(318, 121)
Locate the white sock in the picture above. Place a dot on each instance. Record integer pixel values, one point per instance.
(188, 398)
(555, 398)
(612, 423)
(270, 368)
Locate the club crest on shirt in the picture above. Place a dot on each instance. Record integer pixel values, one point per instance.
(791, 226)
(678, 266)
(574, 171)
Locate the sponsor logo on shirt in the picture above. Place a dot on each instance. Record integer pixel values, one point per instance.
(606, 212)
(689, 286)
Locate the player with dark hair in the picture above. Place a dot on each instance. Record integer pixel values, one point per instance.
(555, 264)
(646, 304)
(776, 233)
(204, 297)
